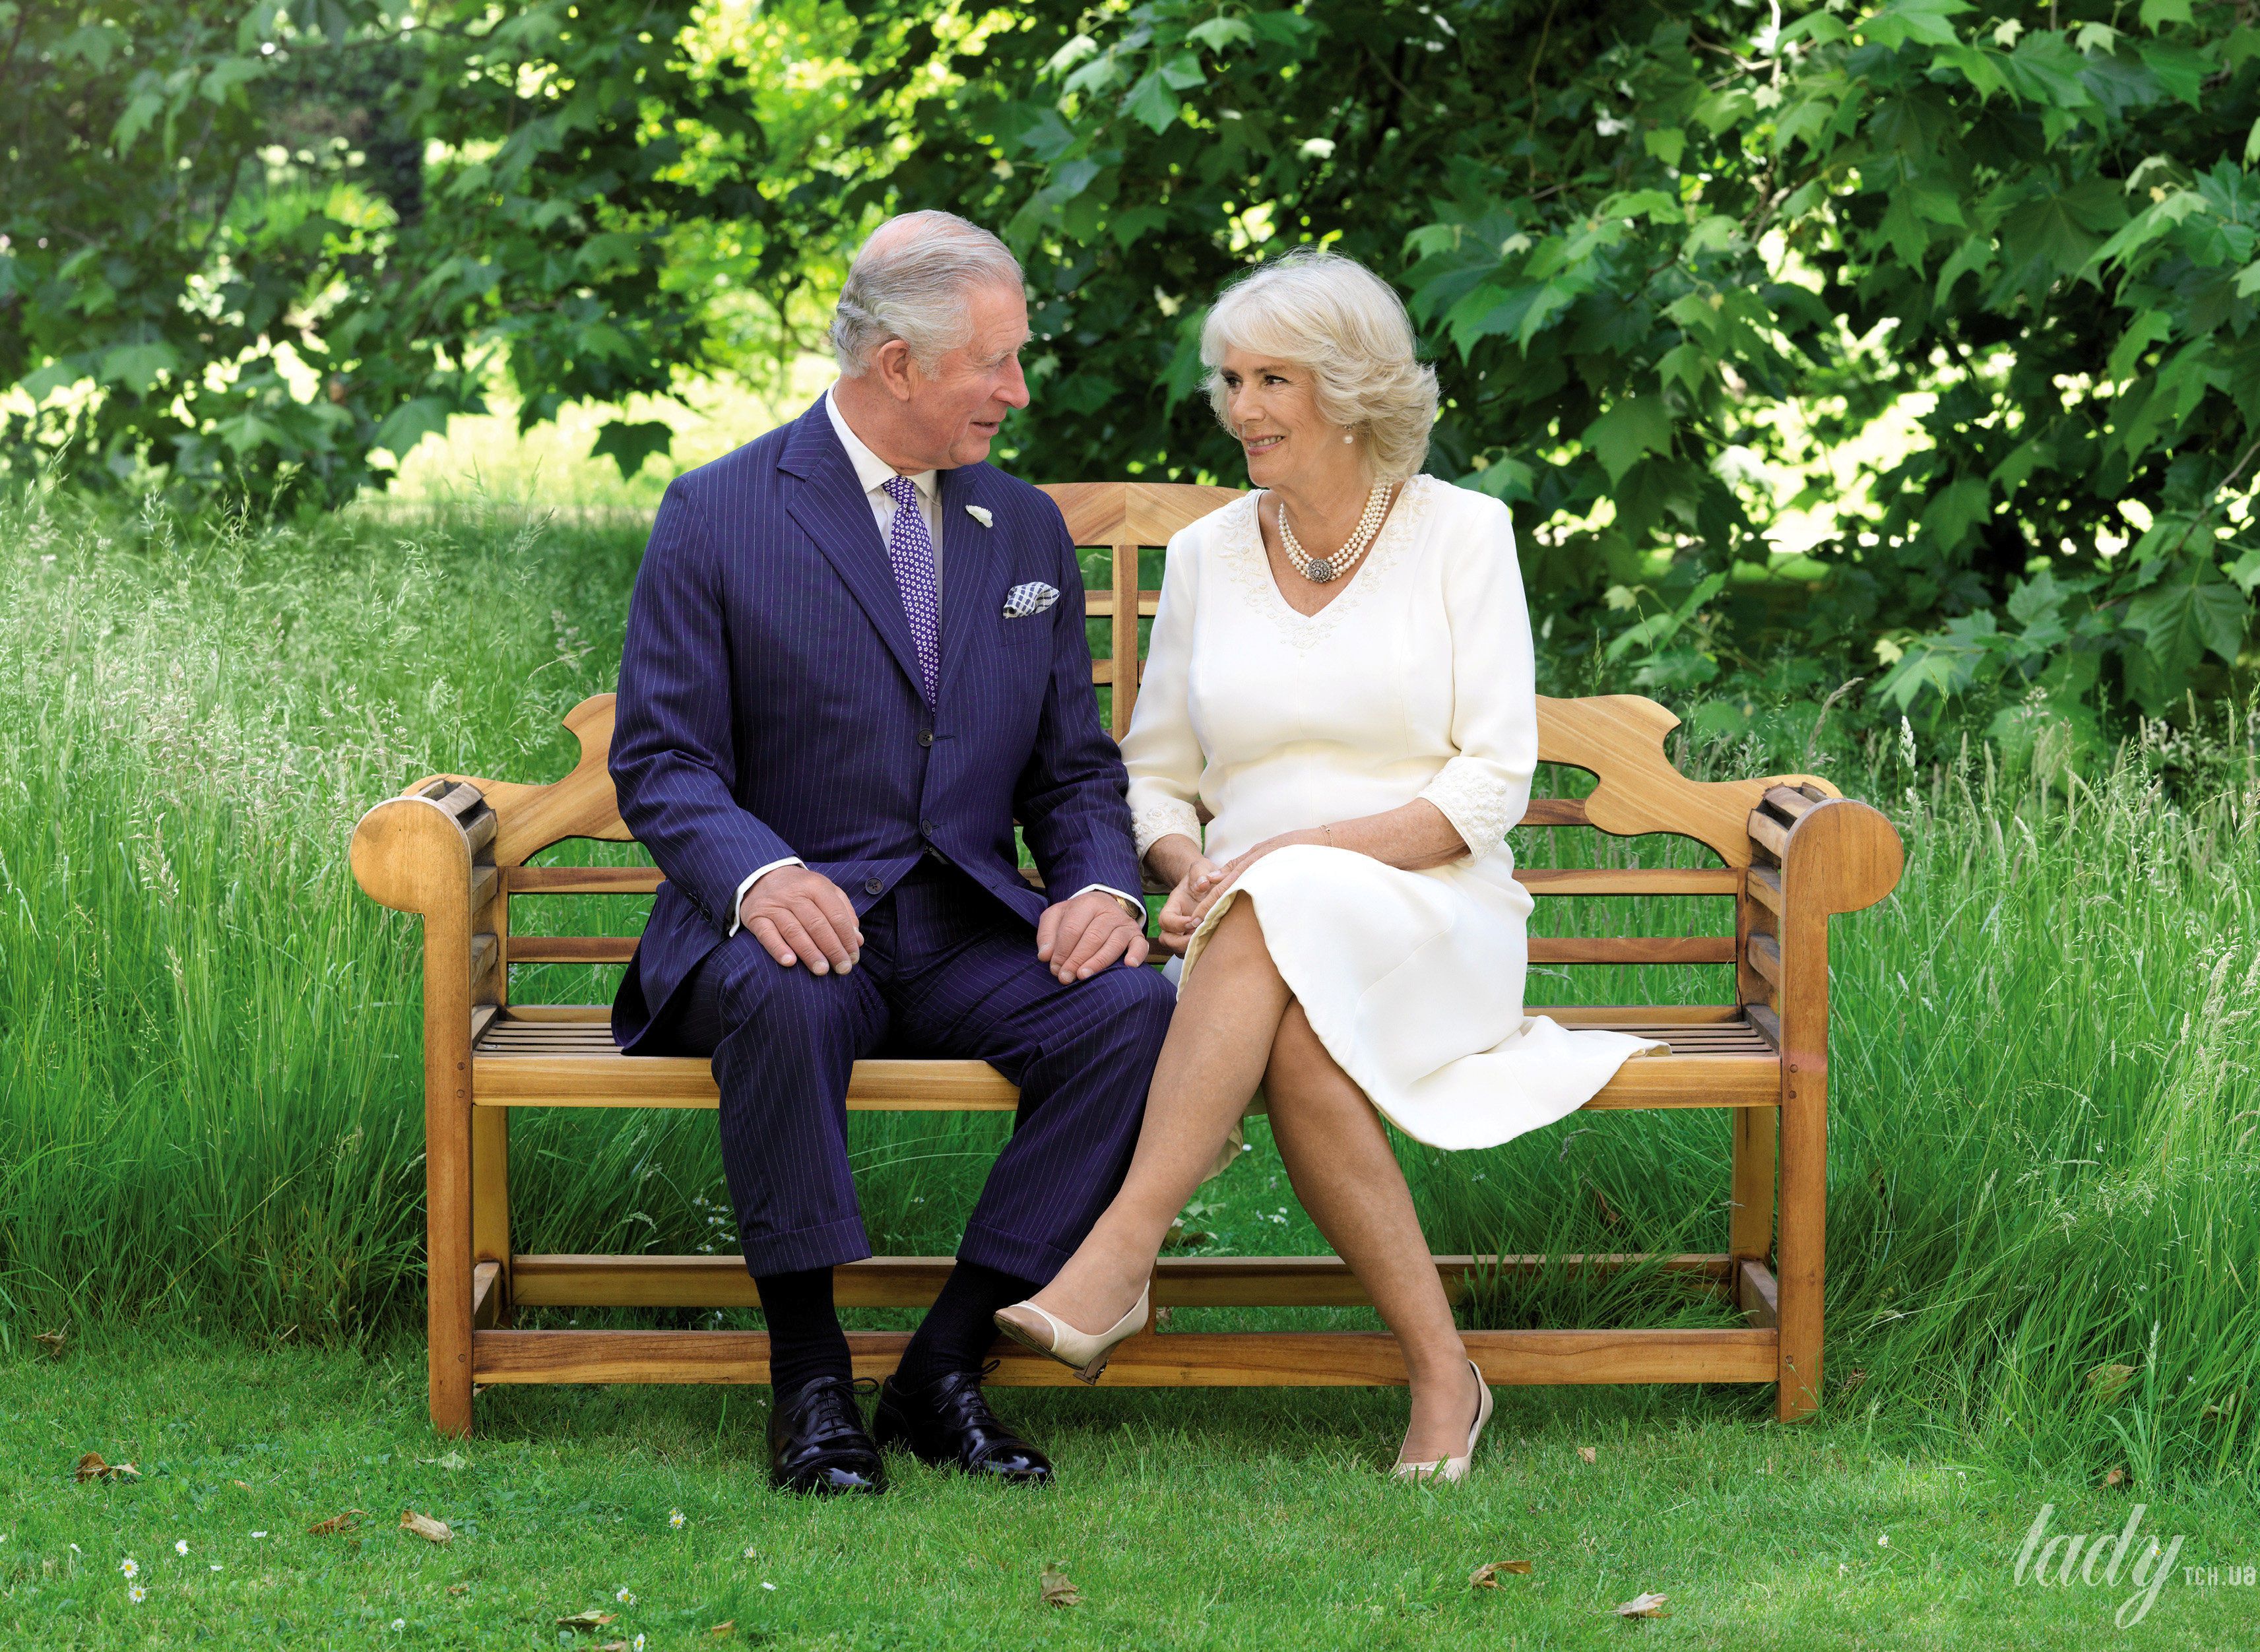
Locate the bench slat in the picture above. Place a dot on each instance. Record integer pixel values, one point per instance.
(1603, 880)
(601, 1079)
(1304, 1359)
(1765, 958)
(582, 880)
(1630, 948)
(722, 1281)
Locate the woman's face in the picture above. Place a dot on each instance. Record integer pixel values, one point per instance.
(1269, 406)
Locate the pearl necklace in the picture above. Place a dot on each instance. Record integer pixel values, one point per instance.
(1321, 569)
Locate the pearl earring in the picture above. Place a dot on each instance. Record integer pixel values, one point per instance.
(1349, 439)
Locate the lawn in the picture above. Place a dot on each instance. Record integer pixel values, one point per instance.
(1238, 1521)
(2044, 1166)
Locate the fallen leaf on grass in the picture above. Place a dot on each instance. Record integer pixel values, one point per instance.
(1608, 1210)
(724, 1627)
(425, 1526)
(244, 1486)
(91, 1467)
(1057, 1590)
(336, 1523)
(53, 1342)
(1850, 1380)
(1588, 1453)
(612, 1646)
(453, 1460)
(2106, 1380)
(1643, 1605)
(2116, 1476)
(1487, 1576)
(459, 1588)
(590, 1619)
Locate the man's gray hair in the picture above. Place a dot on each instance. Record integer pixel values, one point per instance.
(910, 282)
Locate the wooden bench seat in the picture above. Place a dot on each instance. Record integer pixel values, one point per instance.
(564, 1056)
(454, 849)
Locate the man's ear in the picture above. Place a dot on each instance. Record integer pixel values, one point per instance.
(891, 361)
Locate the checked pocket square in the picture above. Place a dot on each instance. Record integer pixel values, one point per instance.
(1031, 598)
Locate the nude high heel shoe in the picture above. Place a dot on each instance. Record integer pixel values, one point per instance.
(1032, 1327)
(1450, 1468)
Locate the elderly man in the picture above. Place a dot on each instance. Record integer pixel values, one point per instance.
(854, 657)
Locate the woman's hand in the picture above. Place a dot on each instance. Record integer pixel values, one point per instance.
(1222, 877)
(1173, 929)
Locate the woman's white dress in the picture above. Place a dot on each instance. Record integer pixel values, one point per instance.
(1418, 681)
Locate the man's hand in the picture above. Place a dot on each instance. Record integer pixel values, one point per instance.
(1080, 937)
(802, 917)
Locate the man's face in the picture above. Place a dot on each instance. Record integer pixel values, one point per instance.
(954, 413)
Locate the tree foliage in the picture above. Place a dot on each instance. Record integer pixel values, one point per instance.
(259, 242)
(1663, 256)
(1673, 263)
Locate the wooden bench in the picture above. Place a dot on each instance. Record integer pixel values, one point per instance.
(454, 849)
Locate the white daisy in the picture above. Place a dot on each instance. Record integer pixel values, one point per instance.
(130, 1566)
(137, 1594)
(675, 1519)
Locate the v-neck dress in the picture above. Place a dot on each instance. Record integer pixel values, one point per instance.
(1418, 681)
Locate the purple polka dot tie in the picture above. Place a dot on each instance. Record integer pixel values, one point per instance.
(910, 547)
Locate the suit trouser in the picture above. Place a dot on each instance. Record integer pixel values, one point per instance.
(947, 970)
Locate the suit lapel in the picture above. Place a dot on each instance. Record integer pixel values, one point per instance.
(970, 560)
(832, 509)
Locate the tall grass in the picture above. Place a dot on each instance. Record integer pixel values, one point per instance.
(2043, 1155)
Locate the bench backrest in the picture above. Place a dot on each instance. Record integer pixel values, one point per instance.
(1617, 738)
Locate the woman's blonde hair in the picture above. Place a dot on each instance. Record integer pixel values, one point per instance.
(1334, 318)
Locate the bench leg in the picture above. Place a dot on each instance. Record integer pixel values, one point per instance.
(1804, 1228)
(1749, 1219)
(447, 1248)
(491, 1209)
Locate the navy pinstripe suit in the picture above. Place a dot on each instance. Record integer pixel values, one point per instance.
(771, 704)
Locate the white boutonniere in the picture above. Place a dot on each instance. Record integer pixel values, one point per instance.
(980, 516)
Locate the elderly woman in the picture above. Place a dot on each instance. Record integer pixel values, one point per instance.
(1341, 678)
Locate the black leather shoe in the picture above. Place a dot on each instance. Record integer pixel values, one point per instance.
(948, 1423)
(817, 1442)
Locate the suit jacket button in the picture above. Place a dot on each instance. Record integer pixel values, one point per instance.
(926, 737)
(872, 885)
(925, 828)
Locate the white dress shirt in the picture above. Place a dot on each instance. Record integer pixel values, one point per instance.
(875, 473)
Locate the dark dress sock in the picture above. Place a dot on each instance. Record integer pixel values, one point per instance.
(958, 1329)
(806, 1341)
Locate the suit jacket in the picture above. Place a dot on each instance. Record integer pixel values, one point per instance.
(771, 704)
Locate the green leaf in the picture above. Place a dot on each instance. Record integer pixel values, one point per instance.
(1927, 22)
(1688, 364)
(1667, 143)
(2182, 621)
(2152, 326)
(628, 444)
(139, 111)
(1183, 73)
(1818, 27)
(2245, 570)
(1636, 425)
(2157, 13)
(1956, 511)
(1219, 33)
(2179, 69)
(410, 423)
(136, 366)
(1150, 105)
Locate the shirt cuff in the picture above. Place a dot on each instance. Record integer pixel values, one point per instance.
(1137, 908)
(739, 901)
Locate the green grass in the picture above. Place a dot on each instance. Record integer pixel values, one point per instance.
(2044, 1162)
(1246, 1520)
